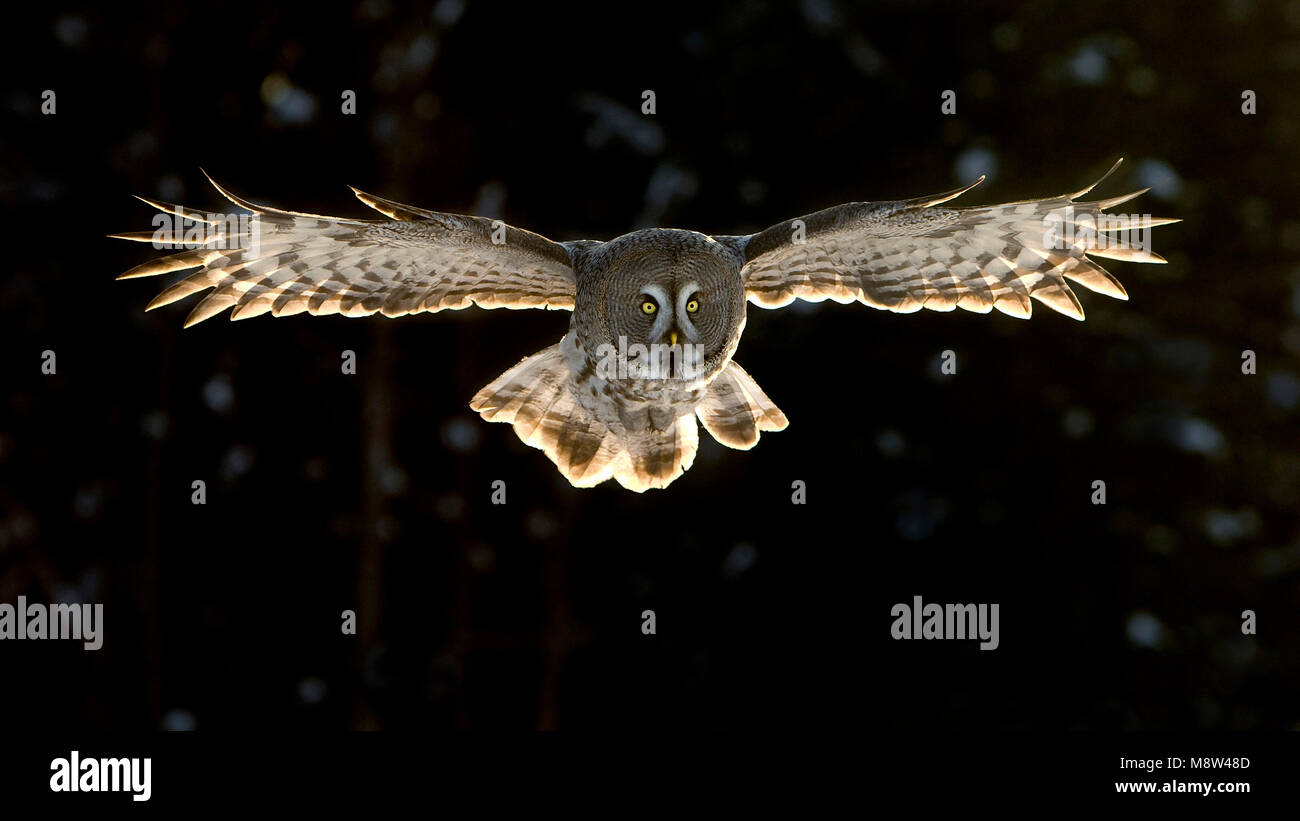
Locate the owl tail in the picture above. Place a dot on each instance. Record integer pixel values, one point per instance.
(536, 397)
(735, 409)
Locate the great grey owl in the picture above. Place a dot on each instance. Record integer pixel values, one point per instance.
(657, 313)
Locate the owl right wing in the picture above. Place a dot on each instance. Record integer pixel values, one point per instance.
(285, 262)
(907, 255)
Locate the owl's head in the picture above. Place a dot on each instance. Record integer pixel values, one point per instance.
(672, 288)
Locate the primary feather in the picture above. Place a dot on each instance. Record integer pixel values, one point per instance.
(287, 262)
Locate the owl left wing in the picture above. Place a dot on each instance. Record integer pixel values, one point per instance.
(285, 262)
(911, 254)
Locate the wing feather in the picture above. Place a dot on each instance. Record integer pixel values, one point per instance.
(911, 254)
(287, 262)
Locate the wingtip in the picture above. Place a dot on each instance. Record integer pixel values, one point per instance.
(947, 196)
(136, 236)
(1121, 199)
(230, 195)
(1128, 254)
(1102, 179)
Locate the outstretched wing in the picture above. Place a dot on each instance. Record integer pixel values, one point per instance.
(907, 255)
(284, 262)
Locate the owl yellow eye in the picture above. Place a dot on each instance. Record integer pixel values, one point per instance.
(692, 306)
(648, 307)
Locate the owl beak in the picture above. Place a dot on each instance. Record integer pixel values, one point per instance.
(672, 337)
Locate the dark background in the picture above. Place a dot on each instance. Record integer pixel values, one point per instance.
(372, 492)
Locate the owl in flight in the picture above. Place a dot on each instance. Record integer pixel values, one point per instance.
(657, 313)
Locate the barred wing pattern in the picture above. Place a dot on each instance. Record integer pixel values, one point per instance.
(907, 255)
(284, 263)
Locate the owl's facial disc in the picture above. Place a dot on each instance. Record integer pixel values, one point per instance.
(674, 300)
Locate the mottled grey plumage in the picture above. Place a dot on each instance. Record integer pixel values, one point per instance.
(680, 290)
